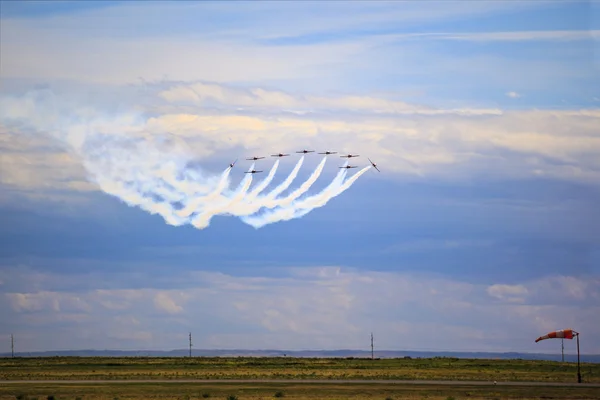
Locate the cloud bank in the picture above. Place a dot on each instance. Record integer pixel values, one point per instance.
(317, 308)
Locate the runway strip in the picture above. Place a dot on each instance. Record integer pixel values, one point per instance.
(301, 381)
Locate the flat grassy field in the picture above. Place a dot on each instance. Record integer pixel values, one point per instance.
(102, 368)
(299, 391)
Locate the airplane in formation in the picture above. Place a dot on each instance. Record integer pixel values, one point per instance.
(373, 164)
(231, 165)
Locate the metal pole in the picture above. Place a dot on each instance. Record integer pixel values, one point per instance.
(578, 366)
(563, 349)
(12, 346)
(372, 355)
(190, 344)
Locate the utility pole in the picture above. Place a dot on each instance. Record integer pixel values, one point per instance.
(563, 349)
(190, 344)
(12, 346)
(372, 355)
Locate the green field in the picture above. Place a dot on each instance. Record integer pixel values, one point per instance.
(59, 369)
(293, 368)
(194, 391)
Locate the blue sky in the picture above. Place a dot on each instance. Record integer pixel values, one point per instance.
(482, 117)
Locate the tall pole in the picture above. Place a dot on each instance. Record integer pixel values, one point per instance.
(563, 349)
(190, 344)
(372, 355)
(578, 366)
(12, 346)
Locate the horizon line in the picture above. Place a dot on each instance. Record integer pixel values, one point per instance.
(294, 351)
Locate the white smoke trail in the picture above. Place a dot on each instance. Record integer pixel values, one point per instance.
(197, 202)
(202, 219)
(298, 192)
(283, 214)
(262, 186)
(311, 204)
(153, 172)
(251, 206)
(287, 182)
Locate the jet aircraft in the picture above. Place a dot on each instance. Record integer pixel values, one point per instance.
(232, 164)
(350, 156)
(254, 158)
(329, 152)
(306, 151)
(349, 166)
(252, 172)
(373, 164)
(279, 155)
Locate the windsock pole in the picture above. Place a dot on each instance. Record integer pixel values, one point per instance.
(578, 367)
(565, 334)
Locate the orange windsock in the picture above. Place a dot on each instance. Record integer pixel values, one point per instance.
(562, 334)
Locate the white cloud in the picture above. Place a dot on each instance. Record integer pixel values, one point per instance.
(328, 307)
(37, 162)
(65, 48)
(510, 293)
(513, 95)
(433, 244)
(255, 19)
(555, 35)
(256, 98)
(163, 302)
(47, 301)
(156, 58)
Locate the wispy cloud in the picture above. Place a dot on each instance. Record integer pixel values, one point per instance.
(203, 94)
(513, 95)
(426, 245)
(317, 43)
(484, 36)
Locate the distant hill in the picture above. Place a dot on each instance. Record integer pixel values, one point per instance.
(593, 358)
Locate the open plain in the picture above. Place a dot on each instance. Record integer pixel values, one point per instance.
(295, 378)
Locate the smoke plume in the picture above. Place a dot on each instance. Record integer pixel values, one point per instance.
(158, 173)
